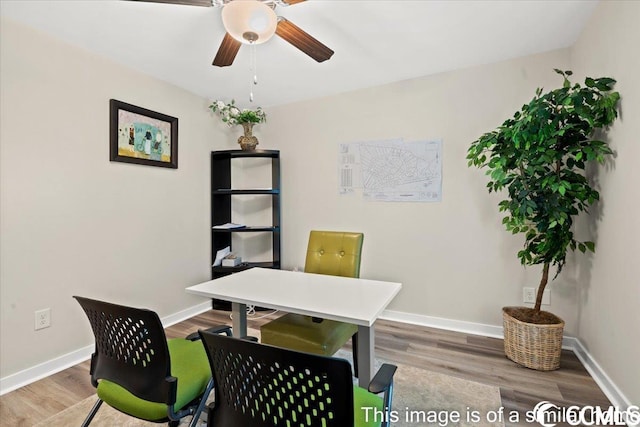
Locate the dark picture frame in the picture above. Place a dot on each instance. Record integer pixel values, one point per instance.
(142, 136)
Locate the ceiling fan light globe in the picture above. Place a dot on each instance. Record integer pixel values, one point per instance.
(253, 17)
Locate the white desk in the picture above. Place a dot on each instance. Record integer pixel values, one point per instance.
(356, 301)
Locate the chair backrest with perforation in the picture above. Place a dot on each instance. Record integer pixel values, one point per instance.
(130, 350)
(258, 385)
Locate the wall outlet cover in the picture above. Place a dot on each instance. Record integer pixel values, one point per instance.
(42, 319)
(529, 296)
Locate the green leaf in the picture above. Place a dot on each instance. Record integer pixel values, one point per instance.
(538, 158)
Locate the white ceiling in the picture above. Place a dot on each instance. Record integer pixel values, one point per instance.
(375, 41)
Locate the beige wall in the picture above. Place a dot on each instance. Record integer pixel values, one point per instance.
(74, 223)
(609, 311)
(453, 258)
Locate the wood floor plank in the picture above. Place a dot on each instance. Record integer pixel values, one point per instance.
(475, 358)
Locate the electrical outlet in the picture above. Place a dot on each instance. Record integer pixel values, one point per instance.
(43, 319)
(529, 296)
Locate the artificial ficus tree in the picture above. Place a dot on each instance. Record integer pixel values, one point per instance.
(539, 157)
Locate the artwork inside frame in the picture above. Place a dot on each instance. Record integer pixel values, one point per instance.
(142, 136)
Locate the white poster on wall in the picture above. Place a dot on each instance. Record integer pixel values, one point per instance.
(392, 170)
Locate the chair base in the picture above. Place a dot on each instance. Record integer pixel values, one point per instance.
(92, 413)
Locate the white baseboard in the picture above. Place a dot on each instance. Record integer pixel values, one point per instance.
(38, 372)
(188, 313)
(601, 378)
(50, 367)
(442, 323)
(613, 393)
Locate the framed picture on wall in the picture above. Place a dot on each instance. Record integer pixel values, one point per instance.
(142, 136)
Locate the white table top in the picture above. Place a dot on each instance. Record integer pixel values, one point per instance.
(356, 301)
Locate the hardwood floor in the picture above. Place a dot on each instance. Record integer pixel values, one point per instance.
(465, 356)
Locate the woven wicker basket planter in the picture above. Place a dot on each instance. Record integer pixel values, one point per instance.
(531, 345)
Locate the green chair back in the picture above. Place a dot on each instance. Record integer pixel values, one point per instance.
(335, 253)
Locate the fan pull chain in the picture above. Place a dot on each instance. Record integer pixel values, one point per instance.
(254, 70)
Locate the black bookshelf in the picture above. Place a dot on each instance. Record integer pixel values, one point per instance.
(222, 199)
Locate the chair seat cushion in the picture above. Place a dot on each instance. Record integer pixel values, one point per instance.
(300, 333)
(363, 399)
(189, 364)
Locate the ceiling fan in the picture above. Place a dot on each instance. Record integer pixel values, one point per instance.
(254, 22)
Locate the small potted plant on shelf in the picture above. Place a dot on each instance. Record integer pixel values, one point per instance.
(539, 157)
(232, 116)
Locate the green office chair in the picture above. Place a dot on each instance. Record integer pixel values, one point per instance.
(259, 385)
(328, 252)
(136, 370)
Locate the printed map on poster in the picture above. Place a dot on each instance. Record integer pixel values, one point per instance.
(392, 170)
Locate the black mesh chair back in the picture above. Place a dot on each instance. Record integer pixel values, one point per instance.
(130, 350)
(260, 385)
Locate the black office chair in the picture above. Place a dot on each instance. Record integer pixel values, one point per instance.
(137, 371)
(259, 385)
